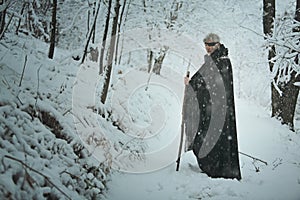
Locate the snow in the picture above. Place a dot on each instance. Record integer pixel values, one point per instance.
(131, 142)
(259, 136)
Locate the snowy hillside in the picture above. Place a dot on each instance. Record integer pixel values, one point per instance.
(41, 155)
(59, 142)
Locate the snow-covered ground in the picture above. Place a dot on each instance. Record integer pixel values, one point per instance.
(55, 110)
(259, 136)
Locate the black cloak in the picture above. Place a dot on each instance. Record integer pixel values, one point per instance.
(215, 143)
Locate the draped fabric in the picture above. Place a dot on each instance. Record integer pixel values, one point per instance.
(215, 142)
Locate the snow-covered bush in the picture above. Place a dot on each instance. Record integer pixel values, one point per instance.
(41, 154)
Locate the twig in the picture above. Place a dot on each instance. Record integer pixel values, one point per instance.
(72, 175)
(277, 162)
(67, 111)
(34, 170)
(23, 71)
(1, 35)
(149, 77)
(38, 86)
(254, 158)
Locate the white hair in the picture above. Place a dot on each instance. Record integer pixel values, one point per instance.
(213, 37)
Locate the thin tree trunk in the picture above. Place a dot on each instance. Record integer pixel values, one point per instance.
(149, 51)
(125, 19)
(101, 60)
(297, 13)
(159, 60)
(149, 59)
(111, 52)
(6, 27)
(94, 25)
(297, 29)
(53, 30)
(88, 24)
(90, 34)
(2, 20)
(119, 30)
(19, 22)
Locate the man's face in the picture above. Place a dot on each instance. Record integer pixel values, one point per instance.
(211, 46)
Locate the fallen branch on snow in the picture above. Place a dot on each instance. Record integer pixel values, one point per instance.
(254, 158)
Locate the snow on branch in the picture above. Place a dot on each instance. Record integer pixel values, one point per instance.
(36, 171)
(287, 49)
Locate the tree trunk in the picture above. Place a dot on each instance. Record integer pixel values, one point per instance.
(94, 25)
(88, 24)
(2, 20)
(284, 103)
(19, 22)
(91, 33)
(119, 30)
(297, 29)
(159, 60)
(101, 60)
(268, 22)
(125, 19)
(290, 92)
(53, 30)
(288, 101)
(149, 60)
(297, 15)
(111, 52)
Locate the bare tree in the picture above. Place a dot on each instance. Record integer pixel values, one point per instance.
(158, 61)
(20, 19)
(119, 30)
(170, 22)
(95, 14)
(173, 15)
(92, 32)
(268, 23)
(111, 52)
(149, 59)
(104, 38)
(297, 14)
(149, 50)
(125, 19)
(35, 19)
(3, 24)
(53, 30)
(2, 17)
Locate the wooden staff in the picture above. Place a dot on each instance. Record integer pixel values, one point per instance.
(183, 127)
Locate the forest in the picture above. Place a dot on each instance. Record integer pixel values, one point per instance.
(94, 87)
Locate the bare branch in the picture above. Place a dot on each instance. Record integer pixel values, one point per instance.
(39, 173)
(23, 71)
(254, 158)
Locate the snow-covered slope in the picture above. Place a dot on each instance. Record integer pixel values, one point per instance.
(41, 154)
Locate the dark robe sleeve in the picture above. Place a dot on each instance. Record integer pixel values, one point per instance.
(204, 103)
